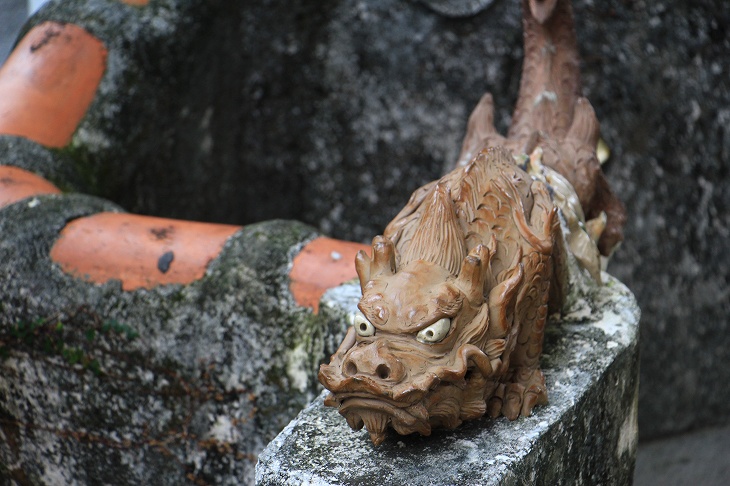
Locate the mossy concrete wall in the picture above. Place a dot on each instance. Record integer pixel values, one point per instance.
(586, 435)
(166, 385)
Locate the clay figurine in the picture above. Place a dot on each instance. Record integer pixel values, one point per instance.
(457, 292)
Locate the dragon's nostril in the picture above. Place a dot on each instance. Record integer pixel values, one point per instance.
(383, 371)
(350, 369)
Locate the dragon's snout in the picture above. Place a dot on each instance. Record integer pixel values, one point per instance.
(383, 383)
(375, 361)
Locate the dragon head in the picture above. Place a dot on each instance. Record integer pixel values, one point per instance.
(413, 357)
(421, 352)
(454, 300)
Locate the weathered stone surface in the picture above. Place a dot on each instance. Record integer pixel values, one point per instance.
(55, 166)
(587, 434)
(347, 106)
(156, 386)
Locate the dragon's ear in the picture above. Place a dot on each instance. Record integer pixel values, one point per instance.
(382, 262)
(474, 272)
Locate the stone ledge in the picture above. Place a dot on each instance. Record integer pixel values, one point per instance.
(587, 434)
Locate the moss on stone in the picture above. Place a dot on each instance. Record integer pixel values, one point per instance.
(226, 361)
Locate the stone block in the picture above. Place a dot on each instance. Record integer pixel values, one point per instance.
(587, 434)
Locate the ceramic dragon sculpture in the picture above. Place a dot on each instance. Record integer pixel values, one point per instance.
(457, 292)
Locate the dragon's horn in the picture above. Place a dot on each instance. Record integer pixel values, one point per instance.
(438, 237)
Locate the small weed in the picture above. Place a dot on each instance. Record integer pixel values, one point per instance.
(75, 337)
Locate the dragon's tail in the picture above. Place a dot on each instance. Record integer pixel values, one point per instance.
(550, 84)
(552, 116)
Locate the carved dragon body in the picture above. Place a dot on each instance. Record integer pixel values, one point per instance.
(458, 289)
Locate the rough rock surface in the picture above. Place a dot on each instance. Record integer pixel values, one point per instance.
(587, 434)
(348, 106)
(152, 386)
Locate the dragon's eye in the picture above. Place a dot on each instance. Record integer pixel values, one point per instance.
(435, 332)
(362, 325)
